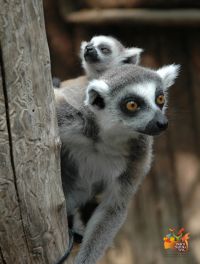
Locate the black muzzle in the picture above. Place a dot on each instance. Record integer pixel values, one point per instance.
(90, 54)
(157, 125)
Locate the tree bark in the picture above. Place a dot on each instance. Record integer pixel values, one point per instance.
(33, 221)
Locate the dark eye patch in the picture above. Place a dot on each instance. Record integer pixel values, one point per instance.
(105, 49)
(128, 60)
(137, 99)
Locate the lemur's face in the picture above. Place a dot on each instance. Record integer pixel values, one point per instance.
(141, 107)
(134, 100)
(100, 50)
(102, 53)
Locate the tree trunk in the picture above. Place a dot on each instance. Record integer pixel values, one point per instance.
(33, 222)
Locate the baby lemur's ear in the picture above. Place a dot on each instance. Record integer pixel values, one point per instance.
(95, 94)
(168, 74)
(132, 55)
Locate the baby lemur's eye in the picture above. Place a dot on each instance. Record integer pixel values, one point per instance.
(160, 100)
(131, 106)
(105, 50)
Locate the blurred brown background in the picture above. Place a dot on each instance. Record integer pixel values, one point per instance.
(168, 31)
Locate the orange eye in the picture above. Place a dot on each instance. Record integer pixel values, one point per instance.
(131, 106)
(160, 100)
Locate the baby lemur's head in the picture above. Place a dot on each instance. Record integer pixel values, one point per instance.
(131, 99)
(102, 53)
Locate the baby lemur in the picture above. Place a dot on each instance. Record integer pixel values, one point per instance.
(100, 54)
(107, 135)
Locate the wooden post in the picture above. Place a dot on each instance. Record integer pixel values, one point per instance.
(33, 222)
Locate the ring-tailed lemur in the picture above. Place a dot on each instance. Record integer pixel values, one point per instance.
(107, 146)
(97, 55)
(100, 54)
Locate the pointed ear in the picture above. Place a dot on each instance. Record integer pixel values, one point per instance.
(95, 94)
(168, 74)
(132, 55)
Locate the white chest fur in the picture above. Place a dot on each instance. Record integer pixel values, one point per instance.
(98, 162)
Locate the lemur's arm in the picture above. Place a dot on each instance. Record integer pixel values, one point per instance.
(99, 233)
(111, 213)
(103, 225)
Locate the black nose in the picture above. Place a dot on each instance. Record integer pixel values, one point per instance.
(157, 125)
(89, 49)
(90, 54)
(162, 125)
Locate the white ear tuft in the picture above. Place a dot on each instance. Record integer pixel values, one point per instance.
(95, 87)
(132, 55)
(168, 74)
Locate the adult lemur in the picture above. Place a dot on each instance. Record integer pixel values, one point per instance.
(100, 54)
(107, 141)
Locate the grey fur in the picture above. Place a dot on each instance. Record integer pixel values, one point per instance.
(115, 153)
(67, 114)
(133, 74)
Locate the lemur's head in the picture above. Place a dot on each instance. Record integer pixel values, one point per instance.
(103, 52)
(131, 99)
